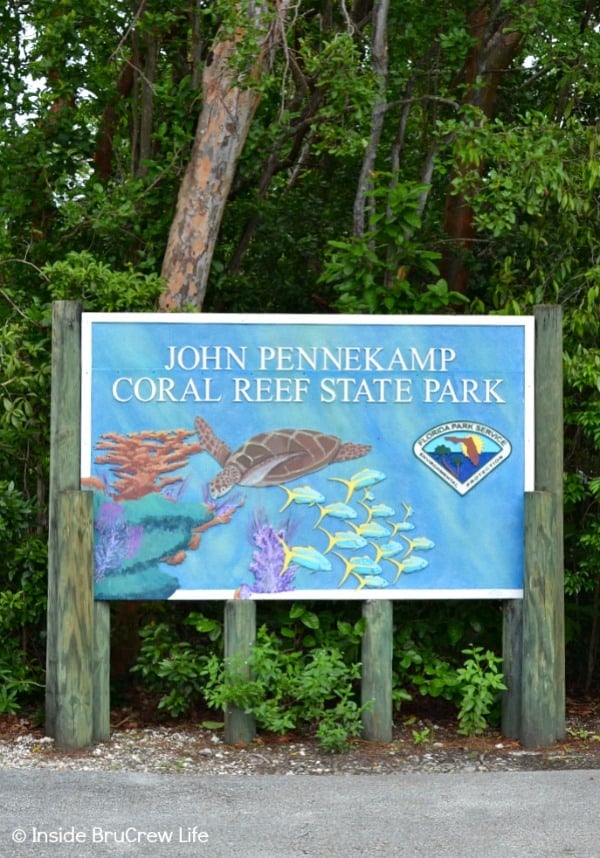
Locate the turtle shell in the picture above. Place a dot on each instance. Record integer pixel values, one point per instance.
(271, 458)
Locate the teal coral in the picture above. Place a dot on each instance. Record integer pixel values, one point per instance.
(162, 529)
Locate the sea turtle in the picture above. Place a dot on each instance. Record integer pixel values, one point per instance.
(272, 458)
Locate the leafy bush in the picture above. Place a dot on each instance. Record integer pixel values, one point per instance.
(429, 661)
(303, 672)
(289, 690)
(175, 668)
(479, 683)
(81, 276)
(17, 681)
(291, 681)
(388, 270)
(22, 599)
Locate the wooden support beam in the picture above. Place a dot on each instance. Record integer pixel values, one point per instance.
(240, 637)
(65, 446)
(101, 673)
(540, 724)
(549, 468)
(512, 662)
(376, 682)
(74, 632)
(534, 635)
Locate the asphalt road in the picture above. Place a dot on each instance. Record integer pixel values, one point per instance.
(488, 815)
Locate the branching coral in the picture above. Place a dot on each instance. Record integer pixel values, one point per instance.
(141, 461)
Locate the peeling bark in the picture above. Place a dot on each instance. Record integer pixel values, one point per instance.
(221, 133)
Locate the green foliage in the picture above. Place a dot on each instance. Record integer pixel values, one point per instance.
(25, 379)
(387, 269)
(166, 662)
(340, 126)
(22, 599)
(474, 687)
(303, 671)
(428, 661)
(479, 683)
(100, 106)
(18, 681)
(289, 690)
(582, 734)
(81, 277)
(300, 676)
(305, 626)
(422, 737)
(359, 267)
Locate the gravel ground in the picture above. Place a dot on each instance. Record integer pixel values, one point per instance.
(419, 745)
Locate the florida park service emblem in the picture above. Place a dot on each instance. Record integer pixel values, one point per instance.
(462, 452)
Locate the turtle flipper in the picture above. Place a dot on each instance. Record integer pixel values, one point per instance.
(218, 449)
(224, 481)
(351, 451)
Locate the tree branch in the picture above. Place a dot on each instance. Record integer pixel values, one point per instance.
(380, 67)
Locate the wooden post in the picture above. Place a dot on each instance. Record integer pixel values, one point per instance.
(549, 466)
(74, 631)
(512, 653)
(534, 637)
(65, 446)
(101, 673)
(542, 649)
(376, 682)
(240, 636)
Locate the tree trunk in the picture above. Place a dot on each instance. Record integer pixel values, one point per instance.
(496, 47)
(223, 126)
(379, 49)
(104, 154)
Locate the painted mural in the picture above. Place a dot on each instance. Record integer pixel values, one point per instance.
(292, 458)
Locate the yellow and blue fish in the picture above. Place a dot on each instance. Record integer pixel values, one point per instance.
(378, 510)
(373, 581)
(302, 495)
(361, 480)
(399, 526)
(371, 529)
(388, 549)
(419, 543)
(304, 555)
(410, 564)
(343, 539)
(358, 566)
(335, 510)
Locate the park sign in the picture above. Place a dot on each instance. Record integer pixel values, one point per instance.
(307, 457)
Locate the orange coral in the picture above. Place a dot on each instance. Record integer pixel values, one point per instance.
(141, 461)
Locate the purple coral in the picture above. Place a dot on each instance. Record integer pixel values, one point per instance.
(134, 536)
(109, 516)
(269, 559)
(115, 539)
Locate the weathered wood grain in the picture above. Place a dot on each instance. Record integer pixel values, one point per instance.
(549, 469)
(542, 648)
(65, 446)
(240, 636)
(74, 627)
(512, 654)
(376, 681)
(101, 672)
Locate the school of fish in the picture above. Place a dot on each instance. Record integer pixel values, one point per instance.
(377, 547)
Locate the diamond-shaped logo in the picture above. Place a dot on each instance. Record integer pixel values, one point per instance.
(462, 452)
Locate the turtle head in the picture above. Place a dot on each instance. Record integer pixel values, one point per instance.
(225, 479)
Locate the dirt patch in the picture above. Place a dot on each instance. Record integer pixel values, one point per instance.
(425, 739)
